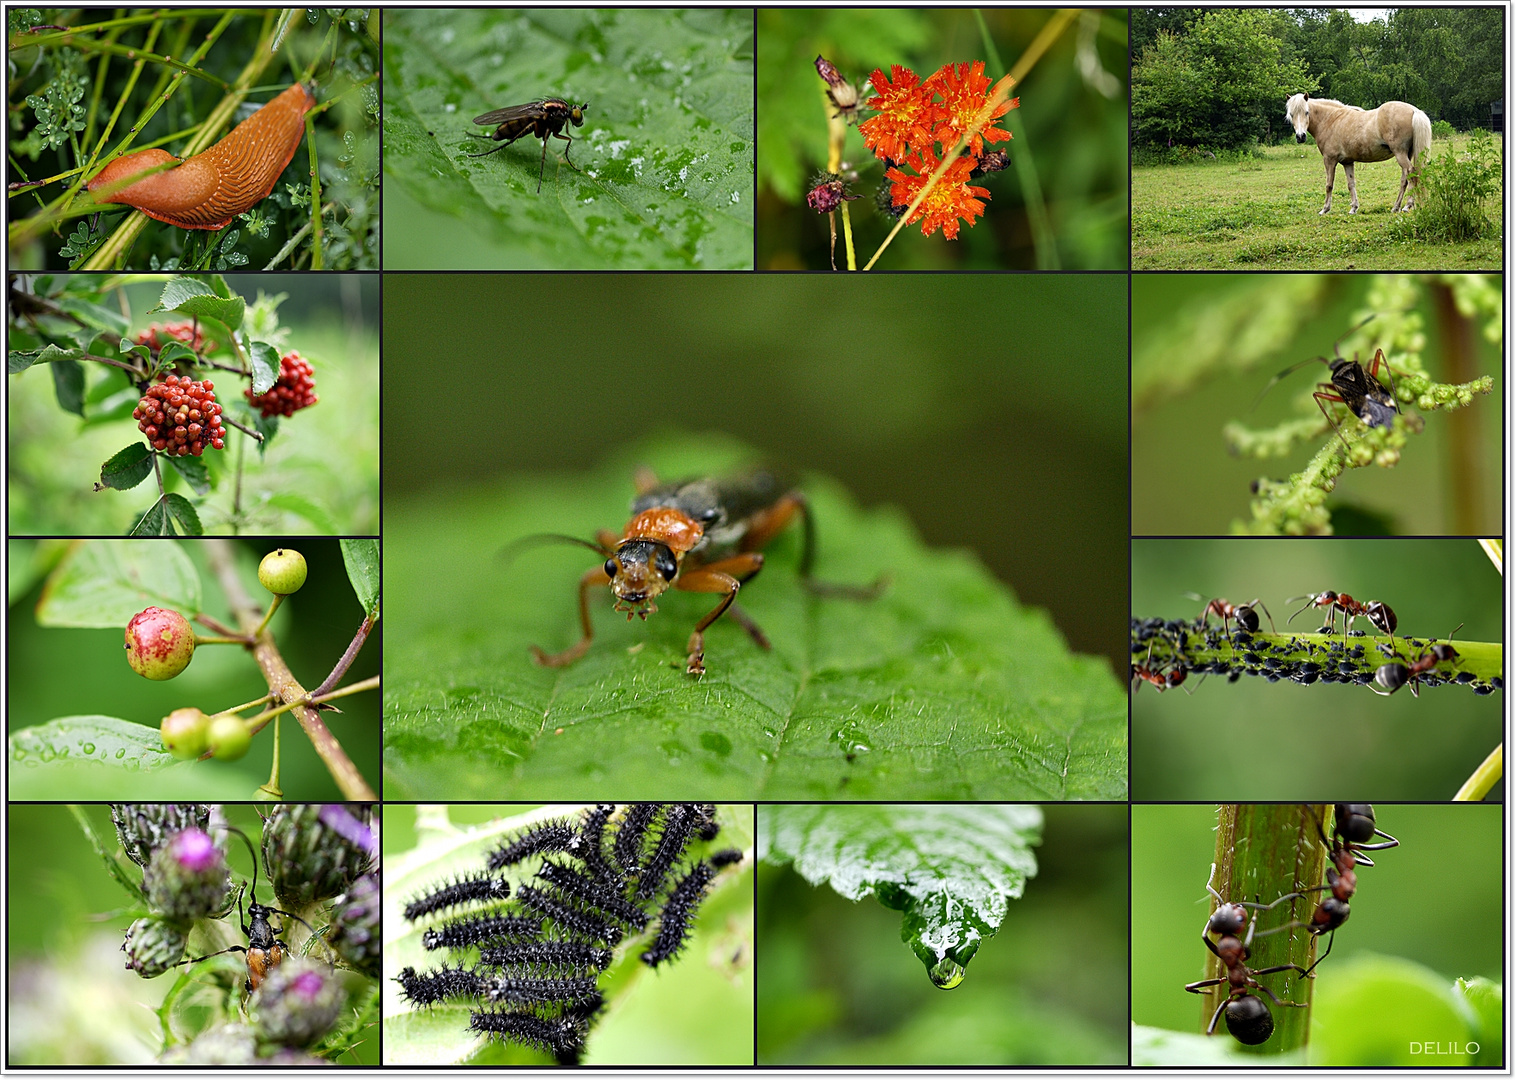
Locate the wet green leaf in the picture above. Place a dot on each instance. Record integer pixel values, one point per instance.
(103, 583)
(943, 688)
(949, 869)
(361, 557)
(662, 170)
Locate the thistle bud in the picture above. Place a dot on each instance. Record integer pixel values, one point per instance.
(143, 828)
(187, 878)
(355, 925)
(298, 1003)
(314, 851)
(152, 946)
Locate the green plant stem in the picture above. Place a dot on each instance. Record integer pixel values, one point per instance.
(847, 238)
(258, 723)
(1264, 852)
(1484, 660)
(1464, 474)
(238, 639)
(316, 229)
(214, 624)
(1495, 549)
(264, 700)
(278, 599)
(1478, 785)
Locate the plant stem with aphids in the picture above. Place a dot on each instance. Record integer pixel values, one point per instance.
(1262, 853)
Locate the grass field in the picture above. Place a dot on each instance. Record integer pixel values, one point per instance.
(1261, 214)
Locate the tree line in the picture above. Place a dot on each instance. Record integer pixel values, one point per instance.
(1219, 77)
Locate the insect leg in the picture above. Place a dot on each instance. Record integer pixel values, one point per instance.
(768, 522)
(719, 576)
(1320, 398)
(542, 169)
(744, 620)
(590, 580)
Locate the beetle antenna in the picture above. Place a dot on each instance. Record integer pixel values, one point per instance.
(536, 540)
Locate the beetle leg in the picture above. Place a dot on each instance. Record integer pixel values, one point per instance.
(786, 508)
(724, 575)
(590, 580)
(744, 620)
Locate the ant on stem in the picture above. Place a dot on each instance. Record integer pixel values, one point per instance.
(1394, 675)
(1247, 1017)
(1381, 616)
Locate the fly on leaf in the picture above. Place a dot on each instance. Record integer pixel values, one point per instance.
(540, 118)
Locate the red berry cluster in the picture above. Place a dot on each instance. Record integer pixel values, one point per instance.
(156, 335)
(295, 388)
(180, 417)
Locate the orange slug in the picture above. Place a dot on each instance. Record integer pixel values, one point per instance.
(231, 177)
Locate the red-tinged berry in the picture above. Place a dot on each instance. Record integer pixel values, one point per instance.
(295, 388)
(159, 643)
(178, 414)
(185, 732)
(228, 737)
(159, 334)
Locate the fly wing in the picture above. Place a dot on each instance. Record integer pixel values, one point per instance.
(532, 110)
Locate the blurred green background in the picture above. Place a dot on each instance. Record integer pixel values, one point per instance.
(1260, 740)
(838, 987)
(319, 475)
(71, 999)
(1224, 336)
(695, 1011)
(1069, 137)
(1004, 434)
(1435, 900)
(71, 672)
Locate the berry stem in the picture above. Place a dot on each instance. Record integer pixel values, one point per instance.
(215, 624)
(348, 657)
(278, 599)
(264, 700)
(249, 432)
(281, 681)
(232, 639)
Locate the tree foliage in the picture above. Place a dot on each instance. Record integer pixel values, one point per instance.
(1219, 78)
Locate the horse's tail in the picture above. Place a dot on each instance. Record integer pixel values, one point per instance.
(1421, 135)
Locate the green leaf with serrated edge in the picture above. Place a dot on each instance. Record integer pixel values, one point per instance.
(713, 1000)
(662, 170)
(183, 511)
(301, 507)
(949, 869)
(95, 315)
(48, 354)
(196, 298)
(105, 740)
(945, 687)
(265, 362)
(175, 352)
(106, 852)
(361, 557)
(106, 582)
(194, 471)
(128, 467)
(68, 382)
(153, 522)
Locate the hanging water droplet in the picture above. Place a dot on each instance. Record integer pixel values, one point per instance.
(946, 973)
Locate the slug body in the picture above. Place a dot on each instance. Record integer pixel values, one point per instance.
(208, 190)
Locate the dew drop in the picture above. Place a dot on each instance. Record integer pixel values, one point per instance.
(89, 748)
(946, 973)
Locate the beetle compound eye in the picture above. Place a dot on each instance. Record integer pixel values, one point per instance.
(664, 561)
(611, 567)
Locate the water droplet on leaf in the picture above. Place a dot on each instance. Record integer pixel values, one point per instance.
(946, 973)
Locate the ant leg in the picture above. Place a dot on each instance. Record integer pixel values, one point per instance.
(1331, 939)
(590, 579)
(1198, 987)
(1258, 603)
(1211, 1027)
(744, 620)
(719, 576)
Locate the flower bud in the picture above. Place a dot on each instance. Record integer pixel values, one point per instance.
(314, 851)
(143, 828)
(297, 1003)
(355, 925)
(187, 878)
(152, 946)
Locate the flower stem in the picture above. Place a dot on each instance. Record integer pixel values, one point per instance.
(1490, 770)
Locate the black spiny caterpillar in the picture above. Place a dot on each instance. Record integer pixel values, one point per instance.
(536, 958)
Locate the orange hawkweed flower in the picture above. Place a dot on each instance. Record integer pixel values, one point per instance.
(949, 200)
(906, 114)
(964, 89)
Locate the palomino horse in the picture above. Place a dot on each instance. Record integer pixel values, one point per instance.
(1347, 134)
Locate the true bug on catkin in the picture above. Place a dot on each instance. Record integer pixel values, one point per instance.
(544, 118)
(1352, 385)
(698, 535)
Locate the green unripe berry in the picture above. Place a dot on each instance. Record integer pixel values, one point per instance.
(159, 643)
(185, 732)
(228, 737)
(282, 571)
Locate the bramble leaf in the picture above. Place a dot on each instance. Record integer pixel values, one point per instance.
(128, 467)
(104, 583)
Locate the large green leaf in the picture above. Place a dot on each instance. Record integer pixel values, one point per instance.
(105, 582)
(950, 869)
(662, 173)
(943, 688)
(108, 741)
(710, 990)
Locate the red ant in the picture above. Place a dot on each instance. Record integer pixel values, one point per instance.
(697, 536)
(1360, 390)
(1393, 676)
(1352, 825)
(1247, 1017)
(1160, 680)
(1381, 616)
(1244, 615)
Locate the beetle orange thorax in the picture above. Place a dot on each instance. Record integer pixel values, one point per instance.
(648, 555)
